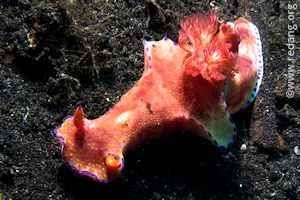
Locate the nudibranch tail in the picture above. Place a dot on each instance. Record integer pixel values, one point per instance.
(242, 89)
(228, 35)
(259, 67)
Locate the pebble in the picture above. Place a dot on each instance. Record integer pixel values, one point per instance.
(288, 113)
(273, 194)
(243, 147)
(297, 150)
(275, 175)
(281, 143)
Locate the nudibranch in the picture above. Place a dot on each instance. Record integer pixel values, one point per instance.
(193, 85)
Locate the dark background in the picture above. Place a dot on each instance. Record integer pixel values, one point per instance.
(56, 55)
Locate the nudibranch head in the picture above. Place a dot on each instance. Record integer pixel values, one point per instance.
(90, 150)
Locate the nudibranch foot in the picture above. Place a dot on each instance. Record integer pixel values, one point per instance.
(217, 124)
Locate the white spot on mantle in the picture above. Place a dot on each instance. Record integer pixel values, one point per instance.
(122, 118)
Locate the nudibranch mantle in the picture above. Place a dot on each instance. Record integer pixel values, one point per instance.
(194, 85)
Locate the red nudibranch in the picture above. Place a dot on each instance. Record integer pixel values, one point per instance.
(195, 85)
